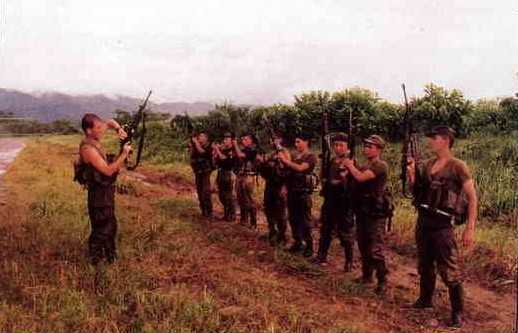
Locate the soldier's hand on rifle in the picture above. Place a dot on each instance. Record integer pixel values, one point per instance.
(348, 163)
(126, 149)
(122, 133)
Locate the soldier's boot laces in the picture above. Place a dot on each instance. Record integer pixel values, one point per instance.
(457, 305)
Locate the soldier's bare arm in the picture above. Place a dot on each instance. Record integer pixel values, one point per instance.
(91, 155)
(360, 176)
(468, 236)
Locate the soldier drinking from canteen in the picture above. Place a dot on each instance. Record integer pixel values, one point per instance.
(300, 184)
(275, 200)
(336, 213)
(225, 160)
(245, 184)
(201, 164)
(444, 194)
(371, 209)
(98, 173)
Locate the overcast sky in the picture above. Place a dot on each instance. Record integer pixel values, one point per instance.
(258, 52)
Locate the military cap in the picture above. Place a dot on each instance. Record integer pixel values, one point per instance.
(339, 137)
(375, 140)
(303, 136)
(441, 130)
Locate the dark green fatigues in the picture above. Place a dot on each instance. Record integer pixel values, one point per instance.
(435, 238)
(245, 187)
(371, 216)
(336, 213)
(226, 183)
(300, 188)
(274, 201)
(201, 164)
(101, 209)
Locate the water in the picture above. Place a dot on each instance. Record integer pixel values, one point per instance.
(9, 148)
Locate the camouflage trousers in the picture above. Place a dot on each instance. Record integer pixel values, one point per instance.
(436, 251)
(203, 190)
(101, 243)
(370, 233)
(299, 214)
(245, 188)
(336, 217)
(275, 206)
(225, 192)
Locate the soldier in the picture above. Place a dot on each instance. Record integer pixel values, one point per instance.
(445, 183)
(300, 184)
(371, 209)
(245, 184)
(225, 159)
(336, 214)
(201, 164)
(98, 174)
(275, 204)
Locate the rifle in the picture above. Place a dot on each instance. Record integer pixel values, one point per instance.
(271, 134)
(325, 145)
(350, 136)
(410, 149)
(131, 129)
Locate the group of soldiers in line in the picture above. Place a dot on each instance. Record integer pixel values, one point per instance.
(354, 196)
(289, 183)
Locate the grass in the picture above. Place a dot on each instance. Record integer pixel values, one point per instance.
(175, 272)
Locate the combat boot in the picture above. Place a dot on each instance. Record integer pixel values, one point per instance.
(366, 277)
(253, 219)
(457, 305)
(243, 220)
(295, 247)
(348, 254)
(426, 290)
(308, 251)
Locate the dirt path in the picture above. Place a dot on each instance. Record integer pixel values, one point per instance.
(331, 292)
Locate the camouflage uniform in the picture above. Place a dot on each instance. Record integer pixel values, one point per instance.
(226, 183)
(336, 214)
(275, 204)
(371, 216)
(245, 187)
(435, 238)
(300, 203)
(201, 164)
(101, 210)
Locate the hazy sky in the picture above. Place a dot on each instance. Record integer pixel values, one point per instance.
(258, 51)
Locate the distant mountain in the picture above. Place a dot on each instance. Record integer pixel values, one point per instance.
(47, 107)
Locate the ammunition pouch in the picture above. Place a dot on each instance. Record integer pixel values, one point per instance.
(442, 200)
(201, 165)
(376, 206)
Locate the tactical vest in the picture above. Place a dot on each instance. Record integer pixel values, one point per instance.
(202, 162)
(101, 189)
(302, 182)
(229, 163)
(443, 194)
(248, 165)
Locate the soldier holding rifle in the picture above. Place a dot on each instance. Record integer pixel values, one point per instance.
(444, 194)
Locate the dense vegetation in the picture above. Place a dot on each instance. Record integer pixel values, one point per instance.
(12, 125)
